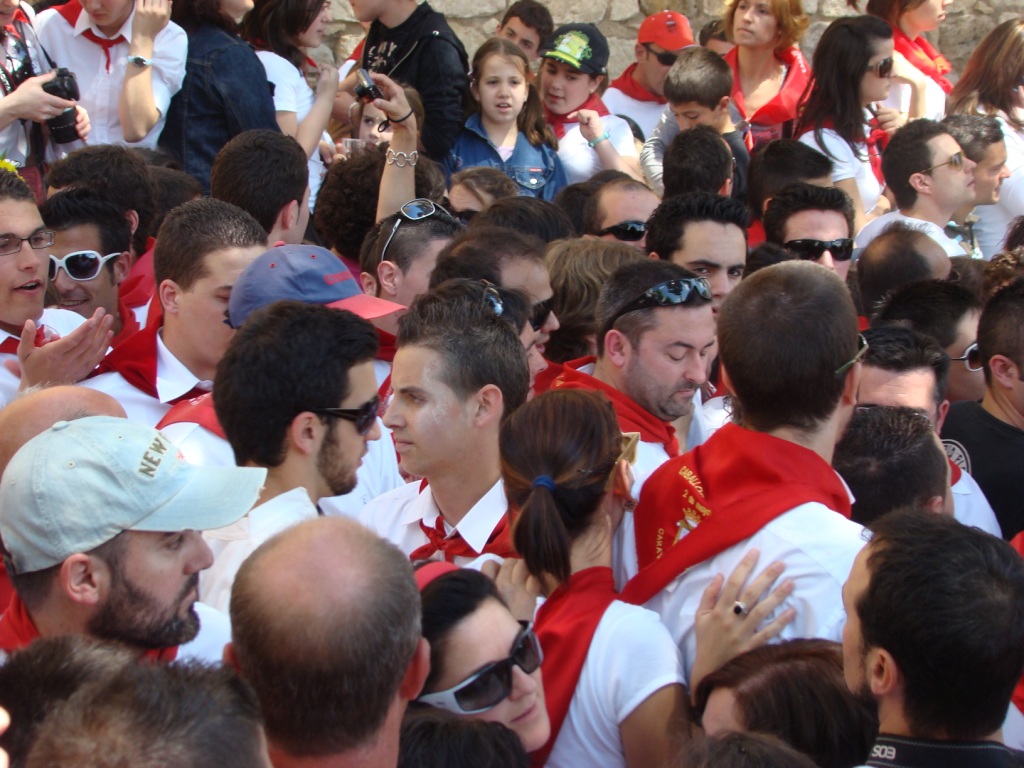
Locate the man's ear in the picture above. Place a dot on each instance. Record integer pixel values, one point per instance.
(490, 405)
(417, 671)
(169, 293)
(723, 104)
(133, 220)
(84, 579)
(122, 264)
(851, 384)
(1003, 371)
(288, 216)
(369, 283)
(639, 51)
(921, 182)
(617, 348)
(726, 189)
(388, 277)
(940, 416)
(304, 433)
(884, 675)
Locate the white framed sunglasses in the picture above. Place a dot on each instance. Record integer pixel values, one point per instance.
(80, 265)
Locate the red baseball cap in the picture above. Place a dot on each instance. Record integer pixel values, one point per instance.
(668, 29)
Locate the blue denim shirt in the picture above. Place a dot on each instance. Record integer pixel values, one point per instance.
(225, 93)
(536, 170)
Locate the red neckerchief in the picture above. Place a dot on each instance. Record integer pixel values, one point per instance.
(17, 631)
(70, 11)
(386, 346)
(923, 55)
(103, 42)
(9, 346)
(632, 418)
(140, 285)
(863, 323)
(498, 543)
(6, 588)
(785, 105)
(558, 122)
(129, 323)
(357, 53)
(955, 473)
(755, 233)
(875, 140)
(723, 491)
(195, 410)
(565, 626)
(546, 378)
(135, 360)
(630, 87)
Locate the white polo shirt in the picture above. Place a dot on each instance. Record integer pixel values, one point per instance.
(818, 546)
(101, 89)
(971, 507)
(62, 321)
(875, 227)
(396, 516)
(232, 544)
(173, 380)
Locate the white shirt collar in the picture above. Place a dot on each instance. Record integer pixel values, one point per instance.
(478, 524)
(173, 379)
(85, 22)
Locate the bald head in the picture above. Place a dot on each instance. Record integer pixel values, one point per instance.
(325, 621)
(36, 410)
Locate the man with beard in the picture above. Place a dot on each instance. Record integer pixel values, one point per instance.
(934, 636)
(296, 394)
(99, 522)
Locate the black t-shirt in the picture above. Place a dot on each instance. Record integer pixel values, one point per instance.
(992, 452)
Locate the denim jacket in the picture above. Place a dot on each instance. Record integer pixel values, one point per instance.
(536, 170)
(225, 93)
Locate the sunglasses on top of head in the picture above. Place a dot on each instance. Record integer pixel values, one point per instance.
(492, 684)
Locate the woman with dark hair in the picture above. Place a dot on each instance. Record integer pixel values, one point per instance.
(433, 738)
(796, 691)
(614, 684)
(283, 31)
(225, 91)
(993, 84)
(484, 664)
(769, 71)
(853, 69)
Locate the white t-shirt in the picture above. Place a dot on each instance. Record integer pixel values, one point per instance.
(631, 656)
(293, 94)
(994, 220)
(644, 113)
(817, 545)
(875, 227)
(63, 321)
(580, 160)
(847, 164)
(971, 507)
(232, 544)
(934, 99)
(99, 86)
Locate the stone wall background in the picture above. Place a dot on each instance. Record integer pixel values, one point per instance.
(968, 21)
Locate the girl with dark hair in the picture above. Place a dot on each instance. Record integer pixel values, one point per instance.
(507, 129)
(614, 683)
(853, 69)
(225, 91)
(282, 32)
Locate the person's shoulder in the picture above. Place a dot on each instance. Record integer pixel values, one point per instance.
(46, 19)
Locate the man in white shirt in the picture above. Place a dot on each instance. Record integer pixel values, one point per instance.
(931, 178)
(766, 485)
(129, 58)
(204, 247)
(459, 370)
(296, 395)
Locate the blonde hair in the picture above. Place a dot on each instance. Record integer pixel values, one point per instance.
(992, 74)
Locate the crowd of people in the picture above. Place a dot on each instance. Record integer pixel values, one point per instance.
(496, 410)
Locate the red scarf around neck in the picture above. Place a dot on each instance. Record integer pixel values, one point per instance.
(723, 492)
(386, 346)
(129, 323)
(785, 105)
(498, 543)
(140, 285)
(565, 626)
(630, 87)
(923, 55)
(632, 417)
(17, 631)
(135, 360)
(9, 346)
(875, 140)
(195, 410)
(558, 123)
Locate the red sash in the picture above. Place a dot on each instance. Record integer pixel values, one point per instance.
(129, 323)
(135, 360)
(386, 346)
(785, 105)
(630, 87)
(632, 418)
(565, 626)
(498, 543)
(195, 410)
(558, 122)
(17, 631)
(140, 285)
(723, 492)
(923, 55)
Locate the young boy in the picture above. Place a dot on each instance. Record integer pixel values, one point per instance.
(697, 88)
(528, 24)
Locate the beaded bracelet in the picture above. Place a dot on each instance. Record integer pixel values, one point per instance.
(402, 159)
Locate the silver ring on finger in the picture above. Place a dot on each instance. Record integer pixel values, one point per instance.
(739, 608)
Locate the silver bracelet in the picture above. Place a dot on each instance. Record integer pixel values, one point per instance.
(402, 159)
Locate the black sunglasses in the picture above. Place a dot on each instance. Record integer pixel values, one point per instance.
(812, 250)
(363, 416)
(665, 58)
(629, 231)
(882, 68)
(540, 313)
(668, 294)
(492, 684)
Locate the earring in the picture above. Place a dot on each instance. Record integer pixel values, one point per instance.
(629, 504)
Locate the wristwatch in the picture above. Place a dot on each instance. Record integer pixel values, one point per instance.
(140, 61)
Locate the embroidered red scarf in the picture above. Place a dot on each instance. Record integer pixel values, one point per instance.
(558, 123)
(17, 631)
(565, 626)
(784, 107)
(923, 55)
(723, 492)
(632, 418)
(498, 543)
(629, 86)
(195, 410)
